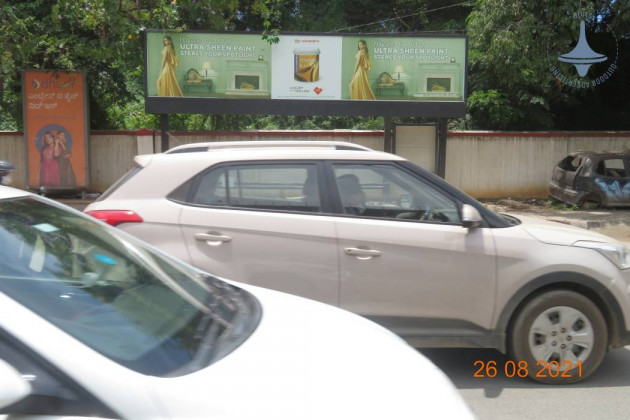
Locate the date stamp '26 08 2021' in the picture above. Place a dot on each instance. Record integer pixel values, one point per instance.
(513, 369)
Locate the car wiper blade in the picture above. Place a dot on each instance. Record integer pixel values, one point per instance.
(230, 296)
(212, 328)
(223, 313)
(213, 316)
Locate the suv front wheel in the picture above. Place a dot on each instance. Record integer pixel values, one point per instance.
(561, 335)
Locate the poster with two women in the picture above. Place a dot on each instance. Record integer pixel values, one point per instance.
(317, 67)
(55, 130)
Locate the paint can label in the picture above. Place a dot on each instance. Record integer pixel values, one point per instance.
(306, 65)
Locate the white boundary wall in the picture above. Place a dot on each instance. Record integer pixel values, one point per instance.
(502, 164)
(484, 164)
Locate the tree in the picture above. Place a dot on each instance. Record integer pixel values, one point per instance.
(386, 16)
(513, 46)
(448, 15)
(103, 38)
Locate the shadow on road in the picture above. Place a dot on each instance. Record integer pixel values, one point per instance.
(459, 365)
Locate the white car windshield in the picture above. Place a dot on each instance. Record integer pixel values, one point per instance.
(139, 308)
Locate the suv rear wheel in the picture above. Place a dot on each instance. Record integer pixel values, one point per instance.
(561, 335)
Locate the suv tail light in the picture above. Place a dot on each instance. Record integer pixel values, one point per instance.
(115, 217)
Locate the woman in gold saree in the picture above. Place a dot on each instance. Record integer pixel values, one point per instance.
(167, 81)
(360, 83)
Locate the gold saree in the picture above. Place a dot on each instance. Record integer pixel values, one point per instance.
(167, 82)
(360, 83)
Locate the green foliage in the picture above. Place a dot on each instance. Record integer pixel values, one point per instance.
(131, 116)
(294, 122)
(491, 109)
(102, 38)
(319, 16)
(386, 15)
(510, 84)
(559, 205)
(513, 44)
(448, 15)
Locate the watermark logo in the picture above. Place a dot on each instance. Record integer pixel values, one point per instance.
(582, 59)
(582, 55)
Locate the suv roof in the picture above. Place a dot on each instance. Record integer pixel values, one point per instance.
(310, 144)
(195, 156)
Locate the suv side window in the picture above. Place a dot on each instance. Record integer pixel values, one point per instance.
(285, 187)
(387, 191)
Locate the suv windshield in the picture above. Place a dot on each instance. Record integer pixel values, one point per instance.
(141, 309)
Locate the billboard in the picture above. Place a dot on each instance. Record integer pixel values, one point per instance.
(55, 130)
(305, 74)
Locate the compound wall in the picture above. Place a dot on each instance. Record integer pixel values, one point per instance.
(484, 164)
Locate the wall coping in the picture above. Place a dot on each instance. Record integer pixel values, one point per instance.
(351, 133)
(261, 133)
(539, 134)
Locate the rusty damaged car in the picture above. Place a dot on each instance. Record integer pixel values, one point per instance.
(591, 179)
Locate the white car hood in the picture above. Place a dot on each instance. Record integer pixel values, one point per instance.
(557, 233)
(310, 360)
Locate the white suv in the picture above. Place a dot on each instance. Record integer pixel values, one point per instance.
(375, 234)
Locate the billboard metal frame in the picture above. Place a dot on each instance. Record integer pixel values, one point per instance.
(304, 107)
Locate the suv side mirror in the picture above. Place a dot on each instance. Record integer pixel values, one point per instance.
(470, 217)
(13, 387)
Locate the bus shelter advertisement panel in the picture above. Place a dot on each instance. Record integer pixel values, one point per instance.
(56, 129)
(305, 66)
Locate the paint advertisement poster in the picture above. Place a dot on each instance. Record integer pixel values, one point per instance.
(208, 65)
(305, 74)
(403, 68)
(306, 67)
(55, 130)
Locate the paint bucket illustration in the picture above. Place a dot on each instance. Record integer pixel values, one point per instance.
(306, 65)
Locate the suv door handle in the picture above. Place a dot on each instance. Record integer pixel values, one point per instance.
(213, 238)
(362, 253)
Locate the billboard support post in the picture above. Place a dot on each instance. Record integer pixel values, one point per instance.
(441, 149)
(388, 144)
(164, 129)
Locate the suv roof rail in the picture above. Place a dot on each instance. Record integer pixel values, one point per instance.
(209, 146)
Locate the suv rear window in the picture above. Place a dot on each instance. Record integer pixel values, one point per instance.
(282, 187)
(119, 183)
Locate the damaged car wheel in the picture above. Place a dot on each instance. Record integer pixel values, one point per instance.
(590, 203)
